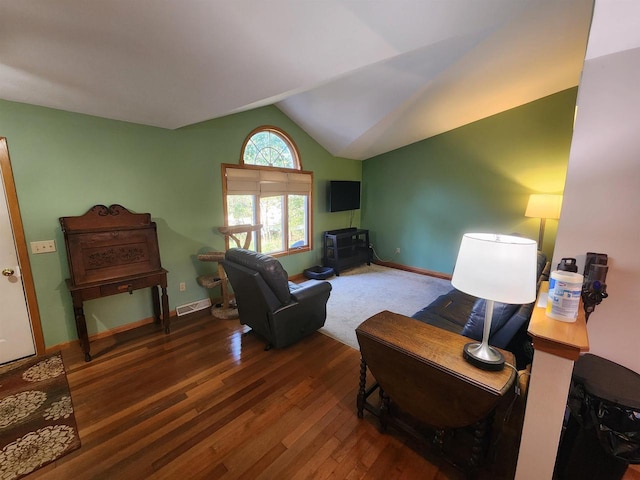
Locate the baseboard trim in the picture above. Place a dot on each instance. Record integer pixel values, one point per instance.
(110, 333)
(420, 271)
(299, 277)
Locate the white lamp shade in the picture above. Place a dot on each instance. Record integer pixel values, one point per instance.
(542, 205)
(497, 267)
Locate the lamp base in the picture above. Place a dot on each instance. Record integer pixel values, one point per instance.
(483, 356)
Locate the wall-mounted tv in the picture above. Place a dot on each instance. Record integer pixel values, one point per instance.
(344, 195)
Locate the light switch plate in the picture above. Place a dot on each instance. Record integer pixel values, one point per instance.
(43, 246)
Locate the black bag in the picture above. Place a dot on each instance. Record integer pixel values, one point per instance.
(616, 426)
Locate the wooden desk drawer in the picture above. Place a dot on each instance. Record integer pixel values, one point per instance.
(123, 287)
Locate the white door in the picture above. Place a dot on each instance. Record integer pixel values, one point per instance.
(16, 338)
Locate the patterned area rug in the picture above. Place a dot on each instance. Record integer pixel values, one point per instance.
(37, 425)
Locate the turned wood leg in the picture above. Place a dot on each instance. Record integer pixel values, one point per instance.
(165, 311)
(384, 410)
(361, 390)
(155, 298)
(438, 440)
(480, 441)
(81, 328)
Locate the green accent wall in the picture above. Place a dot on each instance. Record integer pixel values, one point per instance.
(64, 163)
(420, 198)
(423, 197)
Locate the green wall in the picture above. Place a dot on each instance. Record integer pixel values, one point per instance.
(423, 197)
(420, 198)
(64, 163)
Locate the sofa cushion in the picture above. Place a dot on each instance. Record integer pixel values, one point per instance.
(518, 321)
(461, 313)
(270, 269)
(502, 312)
(448, 311)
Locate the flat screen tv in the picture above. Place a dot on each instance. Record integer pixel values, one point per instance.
(344, 195)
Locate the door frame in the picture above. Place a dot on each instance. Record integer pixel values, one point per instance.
(21, 246)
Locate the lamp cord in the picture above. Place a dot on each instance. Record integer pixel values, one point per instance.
(509, 409)
(517, 391)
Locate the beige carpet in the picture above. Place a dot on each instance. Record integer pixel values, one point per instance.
(363, 291)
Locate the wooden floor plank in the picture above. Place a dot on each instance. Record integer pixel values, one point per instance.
(206, 401)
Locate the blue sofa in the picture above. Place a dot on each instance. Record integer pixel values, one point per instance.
(458, 312)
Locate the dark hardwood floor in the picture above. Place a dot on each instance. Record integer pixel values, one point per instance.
(208, 402)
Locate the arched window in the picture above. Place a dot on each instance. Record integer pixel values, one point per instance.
(270, 147)
(270, 188)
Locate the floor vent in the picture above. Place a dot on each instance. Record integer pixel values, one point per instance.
(193, 307)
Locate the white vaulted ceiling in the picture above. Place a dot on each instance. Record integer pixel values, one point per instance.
(361, 77)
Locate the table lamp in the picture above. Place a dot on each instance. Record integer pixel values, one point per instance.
(497, 268)
(543, 206)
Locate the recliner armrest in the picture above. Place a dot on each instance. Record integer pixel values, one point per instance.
(310, 290)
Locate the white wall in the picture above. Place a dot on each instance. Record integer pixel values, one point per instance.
(601, 210)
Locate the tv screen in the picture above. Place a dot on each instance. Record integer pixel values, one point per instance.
(344, 195)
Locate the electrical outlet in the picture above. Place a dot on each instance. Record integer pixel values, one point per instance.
(43, 246)
(183, 286)
(397, 249)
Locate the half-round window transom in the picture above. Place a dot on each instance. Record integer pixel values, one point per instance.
(270, 148)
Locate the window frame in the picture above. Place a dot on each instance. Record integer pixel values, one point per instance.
(280, 133)
(256, 243)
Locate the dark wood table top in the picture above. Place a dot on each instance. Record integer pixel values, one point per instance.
(422, 369)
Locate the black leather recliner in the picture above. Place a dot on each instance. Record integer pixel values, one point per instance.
(280, 311)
